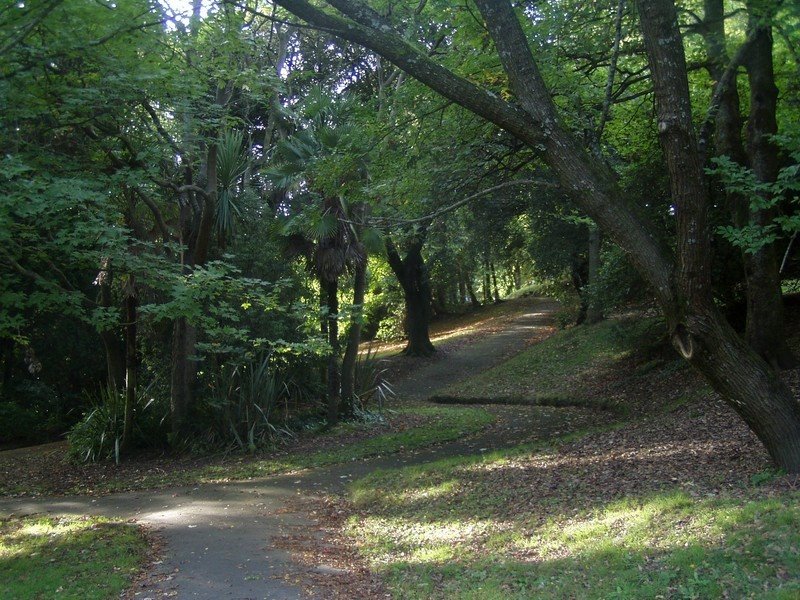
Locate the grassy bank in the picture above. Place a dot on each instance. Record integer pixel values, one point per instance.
(664, 504)
(561, 370)
(405, 429)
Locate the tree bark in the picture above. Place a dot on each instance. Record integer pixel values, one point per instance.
(473, 297)
(334, 380)
(7, 353)
(131, 316)
(594, 313)
(494, 282)
(699, 332)
(765, 330)
(353, 339)
(182, 378)
(412, 274)
(114, 351)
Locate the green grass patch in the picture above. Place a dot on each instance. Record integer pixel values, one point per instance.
(436, 531)
(550, 372)
(440, 424)
(81, 558)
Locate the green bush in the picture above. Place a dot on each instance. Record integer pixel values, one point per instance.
(244, 405)
(98, 435)
(370, 386)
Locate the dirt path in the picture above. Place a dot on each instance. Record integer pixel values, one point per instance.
(220, 539)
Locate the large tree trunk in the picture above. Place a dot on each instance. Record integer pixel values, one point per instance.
(473, 297)
(412, 274)
(594, 313)
(198, 232)
(183, 376)
(700, 334)
(494, 282)
(7, 357)
(353, 338)
(114, 351)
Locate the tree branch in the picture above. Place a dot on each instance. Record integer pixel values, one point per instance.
(612, 70)
(468, 199)
(727, 79)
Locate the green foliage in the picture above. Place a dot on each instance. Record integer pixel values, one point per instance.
(98, 435)
(370, 387)
(31, 412)
(762, 196)
(246, 406)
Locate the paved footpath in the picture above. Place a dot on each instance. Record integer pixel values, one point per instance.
(218, 537)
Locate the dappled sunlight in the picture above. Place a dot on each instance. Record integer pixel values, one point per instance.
(628, 548)
(413, 540)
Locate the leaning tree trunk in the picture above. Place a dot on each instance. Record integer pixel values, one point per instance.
(682, 287)
(412, 274)
(700, 334)
(353, 339)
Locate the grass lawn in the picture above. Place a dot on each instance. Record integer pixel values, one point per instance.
(433, 536)
(553, 371)
(81, 558)
(419, 426)
(441, 424)
(674, 503)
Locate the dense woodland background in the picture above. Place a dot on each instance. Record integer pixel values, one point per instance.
(205, 209)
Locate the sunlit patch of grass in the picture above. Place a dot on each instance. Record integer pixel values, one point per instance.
(474, 542)
(442, 424)
(80, 558)
(549, 372)
(439, 424)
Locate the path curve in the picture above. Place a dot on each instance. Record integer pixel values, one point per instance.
(219, 537)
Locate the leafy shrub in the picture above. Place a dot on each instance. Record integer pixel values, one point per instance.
(370, 385)
(244, 404)
(97, 436)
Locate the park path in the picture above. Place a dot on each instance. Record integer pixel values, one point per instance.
(218, 538)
